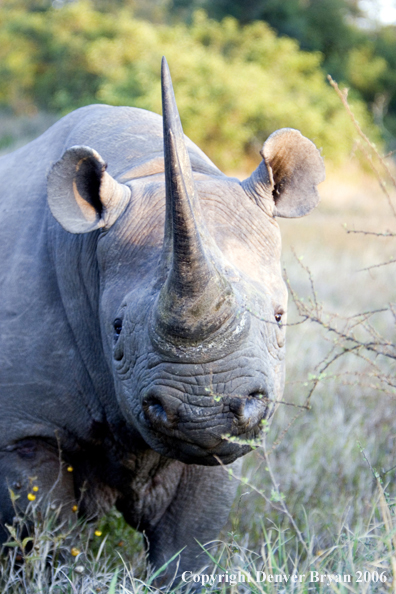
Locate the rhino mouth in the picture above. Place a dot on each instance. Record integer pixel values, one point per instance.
(209, 435)
(222, 450)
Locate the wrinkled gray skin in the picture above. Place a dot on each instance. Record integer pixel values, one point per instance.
(129, 356)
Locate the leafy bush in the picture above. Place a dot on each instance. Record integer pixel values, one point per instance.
(234, 85)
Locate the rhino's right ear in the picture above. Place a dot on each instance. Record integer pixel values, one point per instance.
(284, 184)
(82, 196)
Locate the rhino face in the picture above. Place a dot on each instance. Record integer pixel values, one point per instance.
(193, 318)
(188, 393)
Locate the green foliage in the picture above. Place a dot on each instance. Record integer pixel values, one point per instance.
(318, 25)
(385, 46)
(234, 84)
(361, 57)
(116, 537)
(366, 70)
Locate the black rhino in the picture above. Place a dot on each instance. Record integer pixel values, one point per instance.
(140, 354)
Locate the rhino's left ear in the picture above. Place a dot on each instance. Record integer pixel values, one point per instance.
(82, 196)
(284, 183)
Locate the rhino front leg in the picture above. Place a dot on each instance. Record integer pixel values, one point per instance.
(197, 513)
(33, 471)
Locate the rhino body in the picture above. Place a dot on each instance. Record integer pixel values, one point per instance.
(128, 353)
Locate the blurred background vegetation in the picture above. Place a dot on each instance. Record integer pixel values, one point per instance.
(241, 69)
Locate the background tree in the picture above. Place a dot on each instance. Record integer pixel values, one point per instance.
(235, 84)
(356, 49)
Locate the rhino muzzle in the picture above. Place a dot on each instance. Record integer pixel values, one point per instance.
(242, 414)
(204, 427)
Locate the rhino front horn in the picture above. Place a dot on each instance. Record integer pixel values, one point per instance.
(195, 299)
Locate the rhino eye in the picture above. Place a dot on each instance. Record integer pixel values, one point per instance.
(117, 325)
(278, 316)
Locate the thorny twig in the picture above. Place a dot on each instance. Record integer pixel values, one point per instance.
(373, 346)
(385, 234)
(391, 261)
(377, 174)
(343, 97)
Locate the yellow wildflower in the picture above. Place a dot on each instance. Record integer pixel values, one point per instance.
(74, 508)
(74, 551)
(31, 497)
(98, 533)
(35, 488)
(70, 469)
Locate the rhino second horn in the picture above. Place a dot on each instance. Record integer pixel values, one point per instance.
(195, 299)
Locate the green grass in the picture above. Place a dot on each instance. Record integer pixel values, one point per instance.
(44, 564)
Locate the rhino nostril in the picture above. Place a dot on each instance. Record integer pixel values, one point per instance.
(158, 413)
(154, 411)
(251, 409)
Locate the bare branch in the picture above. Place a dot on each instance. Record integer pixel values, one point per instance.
(391, 261)
(343, 97)
(385, 234)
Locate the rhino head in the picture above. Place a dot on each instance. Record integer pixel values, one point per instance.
(192, 302)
